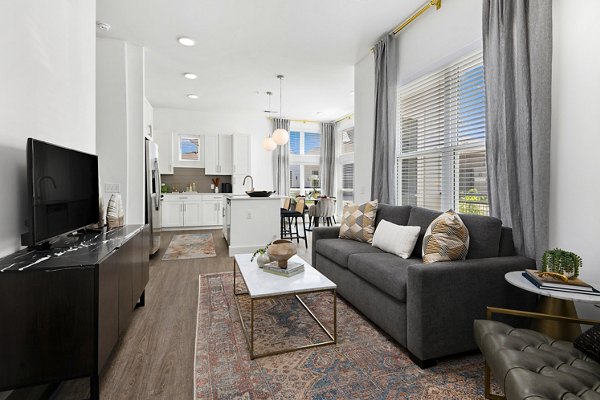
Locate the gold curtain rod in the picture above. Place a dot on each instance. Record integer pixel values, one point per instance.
(349, 116)
(306, 121)
(417, 14)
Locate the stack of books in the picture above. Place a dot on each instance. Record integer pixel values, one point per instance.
(293, 268)
(551, 283)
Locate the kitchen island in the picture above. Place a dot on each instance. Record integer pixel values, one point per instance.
(250, 222)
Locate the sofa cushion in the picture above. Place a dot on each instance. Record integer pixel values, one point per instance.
(396, 239)
(421, 217)
(395, 214)
(385, 271)
(484, 233)
(358, 221)
(338, 250)
(446, 239)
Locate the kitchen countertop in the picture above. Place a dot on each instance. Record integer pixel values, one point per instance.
(191, 193)
(246, 197)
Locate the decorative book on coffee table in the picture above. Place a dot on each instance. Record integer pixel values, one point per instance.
(293, 268)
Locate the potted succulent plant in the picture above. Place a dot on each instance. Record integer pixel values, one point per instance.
(561, 262)
(261, 255)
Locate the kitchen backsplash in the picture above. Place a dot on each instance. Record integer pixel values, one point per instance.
(183, 177)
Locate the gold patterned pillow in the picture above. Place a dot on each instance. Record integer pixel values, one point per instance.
(446, 239)
(358, 221)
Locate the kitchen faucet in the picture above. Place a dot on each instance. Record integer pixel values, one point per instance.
(251, 182)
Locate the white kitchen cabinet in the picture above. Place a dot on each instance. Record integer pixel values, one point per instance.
(192, 213)
(241, 154)
(172, 214)
(192, 210)
(165, 152)
(212, 210)
(218, 154)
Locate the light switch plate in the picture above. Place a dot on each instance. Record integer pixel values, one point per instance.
(112, 188)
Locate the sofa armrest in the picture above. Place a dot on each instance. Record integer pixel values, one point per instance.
(443, 300)
(325, 232)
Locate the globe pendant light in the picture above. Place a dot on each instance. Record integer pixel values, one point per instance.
(280, 136)
(268, 142)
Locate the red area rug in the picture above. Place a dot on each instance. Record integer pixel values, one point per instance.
(365, 364)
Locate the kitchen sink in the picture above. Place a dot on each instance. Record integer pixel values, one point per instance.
(260, 193)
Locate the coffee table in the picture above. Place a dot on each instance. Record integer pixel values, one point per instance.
(262, 285)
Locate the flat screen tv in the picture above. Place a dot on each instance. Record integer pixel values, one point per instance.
(62, 186)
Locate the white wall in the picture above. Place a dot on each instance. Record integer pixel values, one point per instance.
(48, 92)
(364, 125)
(168, 120)
(120, 123)
(574, 190)
(435, 39)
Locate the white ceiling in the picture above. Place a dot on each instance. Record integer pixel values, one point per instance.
(241, 45)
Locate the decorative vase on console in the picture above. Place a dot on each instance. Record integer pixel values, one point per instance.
(114, 214)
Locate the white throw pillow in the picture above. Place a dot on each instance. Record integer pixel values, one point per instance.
(396, 239)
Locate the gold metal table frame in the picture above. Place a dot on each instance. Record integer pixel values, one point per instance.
(250, 335)
(527, 314)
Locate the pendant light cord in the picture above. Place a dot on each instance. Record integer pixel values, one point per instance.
(280, 96)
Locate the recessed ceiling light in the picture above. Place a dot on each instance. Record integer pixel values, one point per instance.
(186, 41)
(319, 113)
(102, 26)
(192, 96)
(189, 75)
(352, 92)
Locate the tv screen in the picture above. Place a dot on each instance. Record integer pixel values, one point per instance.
(62, 191)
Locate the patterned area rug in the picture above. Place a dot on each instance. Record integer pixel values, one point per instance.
(194, 245)
(365, 364)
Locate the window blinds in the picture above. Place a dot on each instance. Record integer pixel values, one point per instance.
(441, 161)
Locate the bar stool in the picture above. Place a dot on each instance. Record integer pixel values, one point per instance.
(286, 207)
(297, 212)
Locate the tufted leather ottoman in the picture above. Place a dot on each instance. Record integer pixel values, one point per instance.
(530, 365)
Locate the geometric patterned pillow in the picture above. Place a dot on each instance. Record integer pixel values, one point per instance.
(446, 239)
(589, 343)
(358, 222)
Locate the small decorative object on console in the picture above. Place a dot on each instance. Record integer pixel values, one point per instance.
(114, 214)
(281, 251)
(561, 262)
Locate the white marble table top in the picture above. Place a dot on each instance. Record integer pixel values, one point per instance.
(264, 284)
(517, 279)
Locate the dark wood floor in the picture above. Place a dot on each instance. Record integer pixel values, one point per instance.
(155, 358)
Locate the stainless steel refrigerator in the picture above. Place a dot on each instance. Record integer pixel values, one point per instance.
(153, 196)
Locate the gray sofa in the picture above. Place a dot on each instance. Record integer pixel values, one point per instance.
(428, 309)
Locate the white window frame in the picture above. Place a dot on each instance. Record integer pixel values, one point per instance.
(305, 159)
(449, 152)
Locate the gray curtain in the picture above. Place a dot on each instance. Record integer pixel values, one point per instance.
(517, 55)
(281, 161)
(383, 186)
(328, 159)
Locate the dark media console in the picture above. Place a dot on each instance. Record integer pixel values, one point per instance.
(63, 310)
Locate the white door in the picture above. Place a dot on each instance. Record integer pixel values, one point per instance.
(241, 154)
(210, 212)
(225, 154)
(164, 140)
(172, 214)
(211, 155)
(192, 213)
